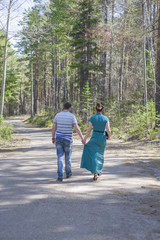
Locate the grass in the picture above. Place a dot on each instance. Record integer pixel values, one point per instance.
(6, 130)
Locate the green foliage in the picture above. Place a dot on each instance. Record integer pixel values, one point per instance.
(62, 49)
(83, 47)
(5, 130)
(43, 119)
(87, 102)
(150, 68)
(132, 122)
(15, 78)
(83, 127)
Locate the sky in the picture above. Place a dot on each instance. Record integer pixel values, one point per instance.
(18, 9)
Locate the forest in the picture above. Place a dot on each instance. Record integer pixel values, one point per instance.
(84, 52)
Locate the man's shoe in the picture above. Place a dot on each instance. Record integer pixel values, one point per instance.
(59, 179)
(68, 176)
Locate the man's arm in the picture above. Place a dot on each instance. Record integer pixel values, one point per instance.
(53, 133)
(76, 127)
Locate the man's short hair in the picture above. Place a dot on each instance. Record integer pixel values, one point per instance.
(67, 105)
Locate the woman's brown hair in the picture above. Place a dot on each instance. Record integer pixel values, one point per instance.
(99, 107)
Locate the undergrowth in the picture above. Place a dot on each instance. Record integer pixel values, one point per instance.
(43, 119)
(133, 122)
(6, 130)
(129, 123)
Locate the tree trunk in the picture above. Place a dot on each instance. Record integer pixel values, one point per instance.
(158, 64)
(82, 73)
(66, 80)
(154, 39)
(59, 82)
(104, 57)
(87, 62)
(121, 72)
(5, 61)
(20, 99)
(87, 77)
(120, 94)
(52, 78)
(144, 60)
(31, 77)
(71, 89)
(44, 84)
(24, 104)
(150, 44)
(110, 59)
(110, 73)
(56, 80)
(36, 82)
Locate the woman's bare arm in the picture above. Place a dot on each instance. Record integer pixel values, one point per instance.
(88, 131)
(108, 130)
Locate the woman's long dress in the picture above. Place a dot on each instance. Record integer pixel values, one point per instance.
(93, 152)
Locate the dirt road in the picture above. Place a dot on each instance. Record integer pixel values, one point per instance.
(124, 204)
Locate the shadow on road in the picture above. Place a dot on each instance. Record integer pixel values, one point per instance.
(124, 204)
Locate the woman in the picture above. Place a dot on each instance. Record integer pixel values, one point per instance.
(93, 152)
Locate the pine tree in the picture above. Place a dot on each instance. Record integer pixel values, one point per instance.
(158, 63)
(82, 44)
(86, 104)
(5, 60)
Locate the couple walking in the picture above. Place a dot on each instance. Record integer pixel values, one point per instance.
(93, 152)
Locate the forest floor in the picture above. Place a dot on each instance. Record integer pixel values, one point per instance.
(124, 204)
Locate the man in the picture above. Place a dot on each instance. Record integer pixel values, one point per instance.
(62, 126)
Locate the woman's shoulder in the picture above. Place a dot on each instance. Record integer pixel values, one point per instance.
(97, 117)
(105, 118)
(91, 118)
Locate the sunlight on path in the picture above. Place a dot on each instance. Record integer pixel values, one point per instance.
(123, 204)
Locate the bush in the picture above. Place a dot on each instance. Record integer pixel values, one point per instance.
(132, 122)
(43, 119)
(6, 130)
(84, 127)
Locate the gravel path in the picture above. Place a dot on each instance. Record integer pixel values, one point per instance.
(124, 204)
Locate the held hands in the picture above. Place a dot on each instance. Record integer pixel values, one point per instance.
(84, 141)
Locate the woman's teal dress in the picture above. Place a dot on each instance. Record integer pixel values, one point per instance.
(93, 152)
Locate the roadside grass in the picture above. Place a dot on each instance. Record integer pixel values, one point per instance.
(16, 144)
(6, 131)
(43, 119)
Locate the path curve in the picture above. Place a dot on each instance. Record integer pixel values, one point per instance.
(123, 205)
